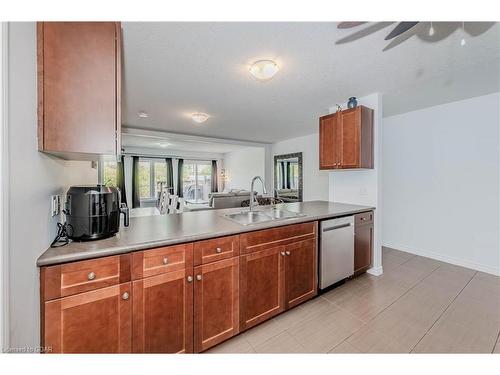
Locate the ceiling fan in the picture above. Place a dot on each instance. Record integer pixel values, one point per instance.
(398, 30)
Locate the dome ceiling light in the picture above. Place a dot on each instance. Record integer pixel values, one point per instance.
(199, 117)
(264, 70)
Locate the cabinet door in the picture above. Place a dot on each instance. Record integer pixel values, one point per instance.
(78, 87)
(99, 321)
(300, 272)
(261, 286)
(349, 123)
(163, 313)
(363, 244)
(216, 303)
(328, 149)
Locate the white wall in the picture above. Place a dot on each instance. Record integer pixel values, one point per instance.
(242, 165)
(315, 181)
(33, 177)
(441, 182)
(364, 186)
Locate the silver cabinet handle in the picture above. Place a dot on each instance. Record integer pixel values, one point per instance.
(287, 252)
(91, 276)
(282, 253)
(190, 279)
(218, 250)
(198, 277)
(165, 260)
(125, 296)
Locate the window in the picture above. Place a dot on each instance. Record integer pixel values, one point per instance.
(110, 169)
(197, 181)
(294, 175)
(151, 173)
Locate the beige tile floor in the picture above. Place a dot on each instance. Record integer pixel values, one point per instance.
(418, 305)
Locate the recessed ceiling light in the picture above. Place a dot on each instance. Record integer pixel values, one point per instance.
(199, 117)
(163, 144)
(264, 69)
(142, 114)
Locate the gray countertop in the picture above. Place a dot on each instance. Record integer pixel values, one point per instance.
(155, 231)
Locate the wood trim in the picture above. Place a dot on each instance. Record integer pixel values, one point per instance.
(201, 343)
(367, 138)
(40, 84)
(270, 238)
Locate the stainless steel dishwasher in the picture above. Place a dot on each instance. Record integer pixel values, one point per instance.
(336, 256)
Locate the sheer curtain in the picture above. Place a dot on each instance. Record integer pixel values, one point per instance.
(136, 200)
(180, 184)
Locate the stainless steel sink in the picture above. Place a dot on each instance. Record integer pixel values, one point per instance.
(261, 216)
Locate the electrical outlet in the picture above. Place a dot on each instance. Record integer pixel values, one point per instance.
(55, 205)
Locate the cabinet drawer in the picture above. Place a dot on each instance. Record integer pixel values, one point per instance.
(161, 260)
(363, 218)
(216, 249)
(268, 238)
(72, 278)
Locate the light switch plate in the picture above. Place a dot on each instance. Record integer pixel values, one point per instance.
(55, 205)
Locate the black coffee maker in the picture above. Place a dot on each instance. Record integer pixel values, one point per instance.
(93, 212)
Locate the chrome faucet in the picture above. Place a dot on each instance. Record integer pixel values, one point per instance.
(252, 198)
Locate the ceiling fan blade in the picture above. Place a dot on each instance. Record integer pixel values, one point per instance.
(348, 25)
(400, 29)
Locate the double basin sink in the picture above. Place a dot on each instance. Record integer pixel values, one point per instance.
(261, 216)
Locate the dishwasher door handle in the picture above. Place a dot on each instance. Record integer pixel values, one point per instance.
(337, 227)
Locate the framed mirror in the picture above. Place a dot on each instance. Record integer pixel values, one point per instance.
(288, 177)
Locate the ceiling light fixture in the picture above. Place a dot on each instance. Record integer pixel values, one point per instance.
(199, 117)
(142, 114)
(264, 70)
(431, 30)
(163, 144)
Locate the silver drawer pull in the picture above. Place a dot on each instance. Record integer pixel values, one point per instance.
(198, 277)
(125, 296)
(282, 253)
(287, 252)
(190, 279)
(218, 250)
(165, 260)
(91, 276)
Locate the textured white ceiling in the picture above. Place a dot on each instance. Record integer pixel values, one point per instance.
(174, 69)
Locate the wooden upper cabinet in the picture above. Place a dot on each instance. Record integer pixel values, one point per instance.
(300, 272)
(79, 75)
(346, 139)
(99, 321)
(163, 313)
(262, 280)
(216, 303)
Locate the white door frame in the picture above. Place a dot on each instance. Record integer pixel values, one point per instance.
(4, 192)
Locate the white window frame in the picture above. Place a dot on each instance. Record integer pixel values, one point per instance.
(196, 163)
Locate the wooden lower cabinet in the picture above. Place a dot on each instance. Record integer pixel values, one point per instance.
(262, 280)
(300, 272)
(163, 313)
(216, 303)
(99, 321)
(363, 247)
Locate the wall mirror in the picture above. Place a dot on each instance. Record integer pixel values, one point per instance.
(288, 177)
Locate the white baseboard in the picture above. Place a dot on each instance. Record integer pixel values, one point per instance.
(376, 271)
(444, 258)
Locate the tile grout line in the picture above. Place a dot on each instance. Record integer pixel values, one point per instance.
(444, 311)
(496, 342)
(385, 308)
